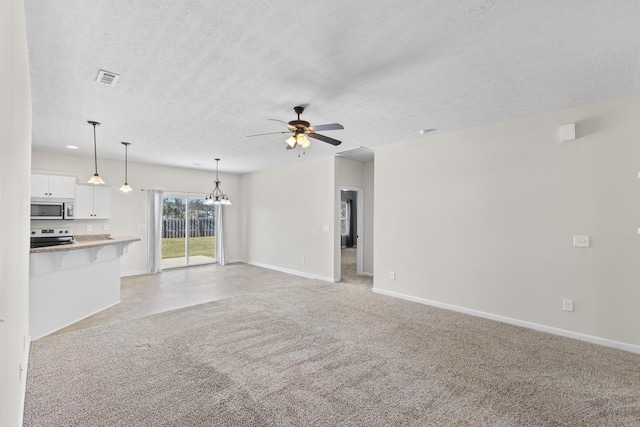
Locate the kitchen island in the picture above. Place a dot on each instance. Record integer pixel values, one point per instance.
(70, 282)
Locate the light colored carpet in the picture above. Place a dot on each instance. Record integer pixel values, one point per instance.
(349, 268)
(325, 354)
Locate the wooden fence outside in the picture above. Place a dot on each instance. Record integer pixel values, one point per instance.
(172, 228)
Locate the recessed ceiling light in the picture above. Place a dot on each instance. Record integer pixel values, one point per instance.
(72, 147)
(425, 131)
(198, 164)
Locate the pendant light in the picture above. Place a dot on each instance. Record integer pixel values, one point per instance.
(217, 197)
(125, 187)
(95, 179)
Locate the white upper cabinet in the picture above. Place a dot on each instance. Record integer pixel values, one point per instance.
(93, 201)
(53, 186)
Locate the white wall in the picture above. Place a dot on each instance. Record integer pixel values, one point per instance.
(369, 197)
(15, 141)
(129, 210)
(483, 220)
(284, 212)
(350, 173)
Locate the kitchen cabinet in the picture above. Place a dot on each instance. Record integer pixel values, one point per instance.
(53, 186)
(93, 201)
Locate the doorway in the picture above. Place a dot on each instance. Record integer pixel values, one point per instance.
(188, 231)
(351, 214)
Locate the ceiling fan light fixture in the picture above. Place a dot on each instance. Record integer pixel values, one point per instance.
(301, 129)
(302, 140)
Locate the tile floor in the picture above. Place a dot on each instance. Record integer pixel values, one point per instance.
(144, 295)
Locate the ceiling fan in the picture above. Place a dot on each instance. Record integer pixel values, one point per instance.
(302, 129)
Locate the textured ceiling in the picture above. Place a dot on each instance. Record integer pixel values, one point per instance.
(198, 76)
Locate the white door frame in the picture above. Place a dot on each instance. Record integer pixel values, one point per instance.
(359, 228)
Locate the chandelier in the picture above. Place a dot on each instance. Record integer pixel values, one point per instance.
(217, 197)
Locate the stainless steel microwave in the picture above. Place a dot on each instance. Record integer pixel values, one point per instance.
(52, 210)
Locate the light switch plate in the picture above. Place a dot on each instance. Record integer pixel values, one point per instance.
(581, 241)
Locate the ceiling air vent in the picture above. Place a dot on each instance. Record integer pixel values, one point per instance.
(107, 77)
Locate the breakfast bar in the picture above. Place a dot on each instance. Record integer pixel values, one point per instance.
(71, 282)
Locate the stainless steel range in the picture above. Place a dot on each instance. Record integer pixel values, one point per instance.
(51, 236)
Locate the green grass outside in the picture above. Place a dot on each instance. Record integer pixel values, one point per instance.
(174, 247)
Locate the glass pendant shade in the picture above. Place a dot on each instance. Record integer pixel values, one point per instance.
(126, 187)
(303, 140)
(298, 139)
(95, 179)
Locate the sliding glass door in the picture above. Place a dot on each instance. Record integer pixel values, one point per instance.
(188, 231)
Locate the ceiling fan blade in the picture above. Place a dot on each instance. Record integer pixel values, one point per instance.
(325, 139)
(291, 128)
(331, 126)
(269, 133)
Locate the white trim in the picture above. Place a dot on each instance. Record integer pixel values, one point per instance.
(294, 272)
(133, 273)
(366, 273)
(23, 389)
(542, 328)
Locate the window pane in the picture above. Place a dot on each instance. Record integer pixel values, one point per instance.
(173, 232)
(202, 245)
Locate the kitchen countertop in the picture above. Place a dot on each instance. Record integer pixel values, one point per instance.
(87, 241)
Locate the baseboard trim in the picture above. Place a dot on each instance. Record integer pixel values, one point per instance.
(23, 379)
(530, 325)
(289, 271)
(133, 273)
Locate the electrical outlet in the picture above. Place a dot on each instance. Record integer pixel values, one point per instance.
(567, 304)
(106, 227)
(392, 275)
(302, 259)
(89, 227)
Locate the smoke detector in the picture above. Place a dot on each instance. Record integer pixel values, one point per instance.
(107, 77)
